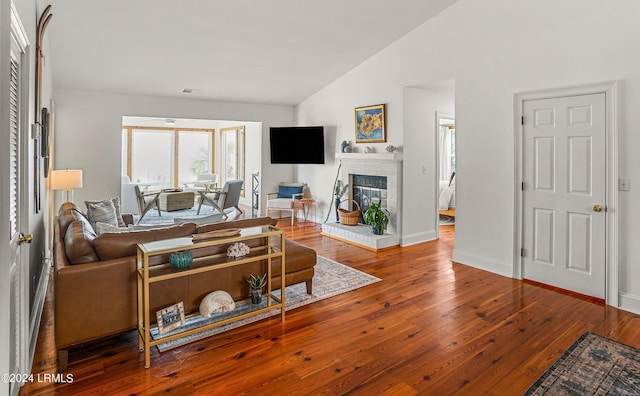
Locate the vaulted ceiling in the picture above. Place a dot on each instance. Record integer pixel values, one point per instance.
(255, 51)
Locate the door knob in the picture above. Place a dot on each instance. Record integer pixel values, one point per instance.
(597, 208)
(25, 238)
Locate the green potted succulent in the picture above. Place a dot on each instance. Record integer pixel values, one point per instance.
(257, 283)
(376, 217)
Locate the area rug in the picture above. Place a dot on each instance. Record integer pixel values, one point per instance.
(331, 278)
(593, 365)
(167, 217)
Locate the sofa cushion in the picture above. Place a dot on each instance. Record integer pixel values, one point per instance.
(280, 203)
(114, 245)
(78, 243)
(68, 216)
(68, 205)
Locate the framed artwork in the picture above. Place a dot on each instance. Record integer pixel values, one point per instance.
(170, 318)
(370, 124)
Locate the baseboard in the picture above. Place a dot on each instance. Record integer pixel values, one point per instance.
(419, 237)
(36, 314)
(629, 302)
(484, 263)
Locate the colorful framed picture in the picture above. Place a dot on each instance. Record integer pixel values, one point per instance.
(170, 318)
(370, 124)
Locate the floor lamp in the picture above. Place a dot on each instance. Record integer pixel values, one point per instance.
(68, 180)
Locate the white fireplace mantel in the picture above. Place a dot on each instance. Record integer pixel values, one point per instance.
(370, 156)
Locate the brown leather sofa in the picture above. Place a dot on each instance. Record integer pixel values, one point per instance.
(95, 276)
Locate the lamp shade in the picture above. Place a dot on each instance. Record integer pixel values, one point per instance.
(67, 179)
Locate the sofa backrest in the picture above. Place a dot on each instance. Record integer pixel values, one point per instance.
(243, 223)
(77, 233)
(114, 245)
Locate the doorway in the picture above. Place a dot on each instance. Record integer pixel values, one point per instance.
(567, 193)
(446, 169)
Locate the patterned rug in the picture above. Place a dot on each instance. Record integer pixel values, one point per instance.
(331, 278)
(593, 365)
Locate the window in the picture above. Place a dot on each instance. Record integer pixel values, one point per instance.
(232, 154)
(166, 157)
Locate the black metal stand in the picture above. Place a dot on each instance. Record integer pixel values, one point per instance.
(255, 193)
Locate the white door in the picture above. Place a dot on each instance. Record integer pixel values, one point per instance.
(18, 206)
(564, 192)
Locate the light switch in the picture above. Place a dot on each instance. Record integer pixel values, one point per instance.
(624, 184)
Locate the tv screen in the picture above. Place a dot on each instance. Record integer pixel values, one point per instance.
(297, 145)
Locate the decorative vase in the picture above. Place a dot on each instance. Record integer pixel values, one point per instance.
(343, 146)
(181, 259)
(377, 231)
(256, 296)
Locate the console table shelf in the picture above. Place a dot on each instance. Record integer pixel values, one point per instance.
(273, 247)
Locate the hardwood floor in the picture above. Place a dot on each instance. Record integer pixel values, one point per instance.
(430, 327)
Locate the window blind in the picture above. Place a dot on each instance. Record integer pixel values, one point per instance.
(13, 142)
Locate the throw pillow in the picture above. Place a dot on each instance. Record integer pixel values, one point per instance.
(116, 204)
(288, 191)
(101, 211)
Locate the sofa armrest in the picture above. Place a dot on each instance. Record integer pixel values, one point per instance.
(89, 301)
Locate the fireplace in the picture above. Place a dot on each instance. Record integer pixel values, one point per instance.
(371, 176)
(366, 189)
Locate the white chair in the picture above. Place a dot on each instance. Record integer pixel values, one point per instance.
(224, 198)
(287, 199)
(128, 200)
(203, 182)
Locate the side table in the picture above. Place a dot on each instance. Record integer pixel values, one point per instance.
(307, 204)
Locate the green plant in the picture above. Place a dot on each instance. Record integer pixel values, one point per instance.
(257, 282)
(376, 217)
(340, 189)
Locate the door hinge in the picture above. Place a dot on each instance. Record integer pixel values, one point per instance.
(522, 120)
(522, 187)
(523, 252)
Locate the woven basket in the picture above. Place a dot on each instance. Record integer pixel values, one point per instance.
(349, 217)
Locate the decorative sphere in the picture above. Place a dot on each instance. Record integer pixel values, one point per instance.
(181, 259)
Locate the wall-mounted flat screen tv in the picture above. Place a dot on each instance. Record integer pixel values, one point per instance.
(297, 145)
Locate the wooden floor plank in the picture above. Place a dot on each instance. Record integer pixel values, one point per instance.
(430, 326)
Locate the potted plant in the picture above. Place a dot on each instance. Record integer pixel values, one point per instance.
(257, 283)
(376, 217)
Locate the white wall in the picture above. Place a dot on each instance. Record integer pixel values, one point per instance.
(89, 126)
(420, 178)
(494, 49)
